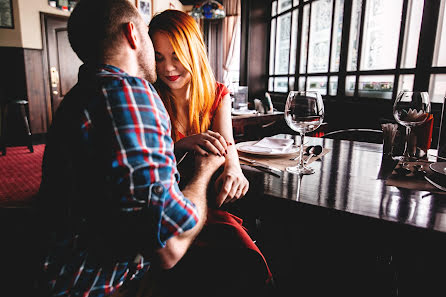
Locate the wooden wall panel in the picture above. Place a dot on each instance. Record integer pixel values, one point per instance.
(256, 48)
(35, 84)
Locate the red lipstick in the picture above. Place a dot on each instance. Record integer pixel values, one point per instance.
(173, 77)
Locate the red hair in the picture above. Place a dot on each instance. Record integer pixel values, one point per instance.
(187, 41)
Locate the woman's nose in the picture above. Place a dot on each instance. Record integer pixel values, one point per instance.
(170, 66)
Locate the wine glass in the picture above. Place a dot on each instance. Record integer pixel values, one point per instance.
(304, 112)
(411, 109)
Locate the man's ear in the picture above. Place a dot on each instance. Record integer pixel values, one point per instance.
(131, 33)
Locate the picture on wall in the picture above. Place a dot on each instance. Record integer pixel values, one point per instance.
(145, 9)
(6, 19)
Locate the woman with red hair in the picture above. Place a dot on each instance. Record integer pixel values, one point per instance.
(223, 259)
(199, 107)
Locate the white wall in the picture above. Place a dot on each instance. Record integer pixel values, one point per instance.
(27, 29)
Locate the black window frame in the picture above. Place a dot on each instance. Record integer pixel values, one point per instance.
(422, 71)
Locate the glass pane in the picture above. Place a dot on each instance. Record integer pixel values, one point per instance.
(295, 2)
(283, 44)
(352, 63)
(271, 84)
(333, 86)
(304, 44)
(412, 34)
(376, 86)
(350, 82)
(319, 36)
(293, 43)
(281, 84)
(337, 35)
(405, 83)
(302, 83)
(440, 42)
(284, 5)
(317, 83)
(272, 47)
(291, 83)
(437, 88)
(381, 34)
(274, 8)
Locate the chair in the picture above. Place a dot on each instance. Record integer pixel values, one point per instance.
(364, 135)
(6, 108)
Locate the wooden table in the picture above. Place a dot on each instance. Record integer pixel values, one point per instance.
(342, 229)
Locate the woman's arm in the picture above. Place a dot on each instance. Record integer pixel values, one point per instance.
(232, 184)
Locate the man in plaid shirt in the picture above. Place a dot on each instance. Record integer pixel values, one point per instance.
(109, 190)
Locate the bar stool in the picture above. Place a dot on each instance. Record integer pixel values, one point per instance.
(7, 107)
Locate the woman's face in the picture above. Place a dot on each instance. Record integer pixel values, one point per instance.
(168, 68)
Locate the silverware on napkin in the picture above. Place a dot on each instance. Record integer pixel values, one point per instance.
(259, 165)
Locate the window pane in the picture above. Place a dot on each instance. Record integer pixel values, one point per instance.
(293, 42)
(412, 34)
(381, 34)
(317, 83)
(405, 83)
(271, 84)
(295, 2)
(440, 42)
(291, 84)
(303, 48)
(284, 5)
(333, 86)
(274, 8)
(337, 35)
(376, 86)
(319, 36)
(281, 84)
(354, 36)
(437, 87)
(302, 83)
(283, 44)
(350, 82)
(272, 47)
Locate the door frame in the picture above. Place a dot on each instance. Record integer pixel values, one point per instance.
(45, 60)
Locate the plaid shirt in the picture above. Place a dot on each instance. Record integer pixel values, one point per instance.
(141, 178)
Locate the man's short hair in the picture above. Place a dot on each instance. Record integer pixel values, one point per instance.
(95, 25)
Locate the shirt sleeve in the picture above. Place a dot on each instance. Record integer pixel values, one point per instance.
(144, 163)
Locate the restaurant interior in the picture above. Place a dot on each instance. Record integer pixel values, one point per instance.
(369, 216)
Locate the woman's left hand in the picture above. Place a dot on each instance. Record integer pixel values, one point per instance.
(232, 184)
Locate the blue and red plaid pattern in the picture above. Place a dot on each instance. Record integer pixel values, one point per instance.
(144, 169)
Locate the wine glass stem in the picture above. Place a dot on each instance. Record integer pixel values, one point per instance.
(406, 147)
(301, 151)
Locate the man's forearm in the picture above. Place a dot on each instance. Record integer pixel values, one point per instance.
(177, 246)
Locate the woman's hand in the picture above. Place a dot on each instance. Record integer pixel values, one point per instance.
(232, 185)
(204, 143)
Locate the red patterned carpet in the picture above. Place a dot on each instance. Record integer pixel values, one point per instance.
(20, 175)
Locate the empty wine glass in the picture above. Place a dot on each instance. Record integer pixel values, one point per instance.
(304, 112)
(411, 109)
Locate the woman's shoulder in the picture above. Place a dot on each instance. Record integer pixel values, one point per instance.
(220, 90)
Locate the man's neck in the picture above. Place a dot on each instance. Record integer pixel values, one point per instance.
(125, 62)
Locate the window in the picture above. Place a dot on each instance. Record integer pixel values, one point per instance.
(358, 48)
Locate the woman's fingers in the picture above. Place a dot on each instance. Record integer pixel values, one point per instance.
(220, 138)
(212, 144)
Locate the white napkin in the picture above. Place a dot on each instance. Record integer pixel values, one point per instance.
(271, 145)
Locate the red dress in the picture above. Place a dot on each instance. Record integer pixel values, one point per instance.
(223, 229)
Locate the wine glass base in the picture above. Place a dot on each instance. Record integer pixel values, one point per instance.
(300, 170)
